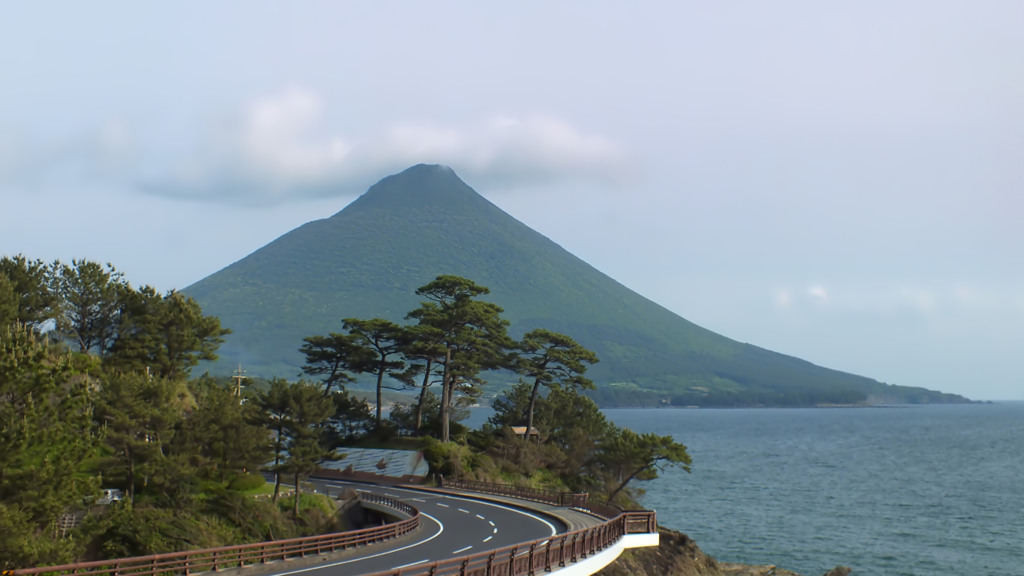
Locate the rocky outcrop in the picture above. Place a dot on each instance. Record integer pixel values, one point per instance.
(678, 555)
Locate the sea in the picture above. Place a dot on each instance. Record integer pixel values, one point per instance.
(888, 491)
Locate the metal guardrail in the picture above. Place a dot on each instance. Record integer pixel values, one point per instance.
(566, 499)
(192, 561)
(543, 555)
(523, 559)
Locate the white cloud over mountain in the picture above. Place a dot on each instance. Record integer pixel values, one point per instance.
(280, 148)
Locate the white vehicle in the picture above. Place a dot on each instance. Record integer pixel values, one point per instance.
(110, 495)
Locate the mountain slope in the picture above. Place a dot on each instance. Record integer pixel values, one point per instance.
(367, 261)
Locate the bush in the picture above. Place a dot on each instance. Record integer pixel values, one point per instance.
(246, 482)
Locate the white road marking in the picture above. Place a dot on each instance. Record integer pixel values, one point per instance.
(418, 500)
(440, 527)
(496, 531)
(485, 503)
(480, 517)
(443, 504)
(463, 510)
(488, 538)
(411, 564)
(491, 522)
(461, 549)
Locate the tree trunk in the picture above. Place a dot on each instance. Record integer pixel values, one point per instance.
(295, 508)
(380, 385)
(423, 398)
(446, 397)
(277, 467)
(626, 481)
(131, 475)
(529, 419)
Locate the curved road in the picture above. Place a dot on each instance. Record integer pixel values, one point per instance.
(450, 526)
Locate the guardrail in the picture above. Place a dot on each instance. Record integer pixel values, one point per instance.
(545, 554)
(579, 500)
(523, 559)
(567, 499)
(223, 557)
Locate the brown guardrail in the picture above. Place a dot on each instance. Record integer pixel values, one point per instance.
(567, 499)
(191, 561)
(523, 559)
(545, 554)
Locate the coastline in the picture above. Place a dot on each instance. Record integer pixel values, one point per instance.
(679, 555)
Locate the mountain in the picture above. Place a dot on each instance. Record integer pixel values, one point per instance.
(367, 261)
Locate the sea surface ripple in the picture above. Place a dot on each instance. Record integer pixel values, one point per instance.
(894, 491)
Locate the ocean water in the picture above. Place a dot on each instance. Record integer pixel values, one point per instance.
(893, 491)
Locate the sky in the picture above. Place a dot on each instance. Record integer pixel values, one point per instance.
(837, 181)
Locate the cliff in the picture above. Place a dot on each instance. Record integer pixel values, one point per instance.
(678, 555)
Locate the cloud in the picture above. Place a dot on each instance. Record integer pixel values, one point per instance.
(278, 149)
(930, 302)
(102, 154)
(783, 299)
(818, 293)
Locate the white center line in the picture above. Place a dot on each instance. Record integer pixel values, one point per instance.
(495, 531)
(481, 517)
(489, 537)
(418, 500)
(463, 510)
(461, 549)
(491, 522)
(319, 566)
(442, 504)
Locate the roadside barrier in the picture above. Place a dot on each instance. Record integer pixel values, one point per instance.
(567, 499)
(543, 555)
(525, 559)
(192, 561)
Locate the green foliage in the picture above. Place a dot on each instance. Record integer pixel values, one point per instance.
(328, 357)
(246, 482)
(471, 333)
(223, 435)
(627, 456)
(89, 298)
(31, 281)
(164, 335)
(351, 420)
(45, 438)
(380, 345)
(553, 360)
(140, 416)
(8, 302)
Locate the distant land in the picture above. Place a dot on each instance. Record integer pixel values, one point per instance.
(367, 261)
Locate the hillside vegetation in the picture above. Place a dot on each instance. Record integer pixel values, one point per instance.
(367, 261)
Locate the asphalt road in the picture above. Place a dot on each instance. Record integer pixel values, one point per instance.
(450, 526)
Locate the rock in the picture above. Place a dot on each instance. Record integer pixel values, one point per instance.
(677, 555)
(736, 569)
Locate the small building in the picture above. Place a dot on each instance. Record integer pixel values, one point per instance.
(521, 430)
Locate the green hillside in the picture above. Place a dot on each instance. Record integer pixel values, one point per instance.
(367, 261)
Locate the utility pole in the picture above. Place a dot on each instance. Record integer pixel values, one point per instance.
(238, 377)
